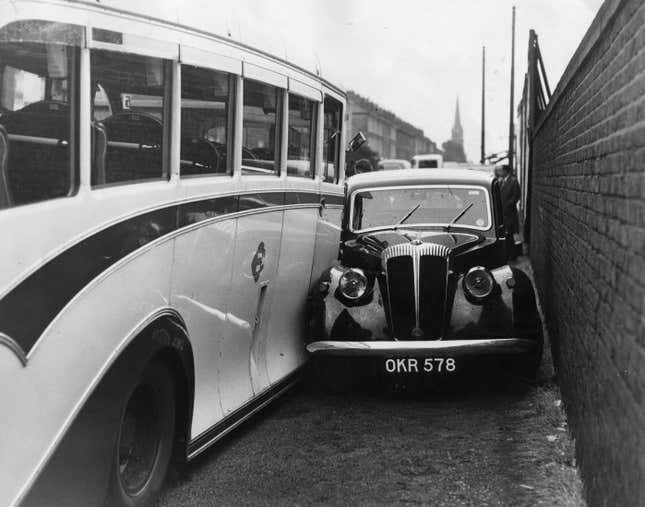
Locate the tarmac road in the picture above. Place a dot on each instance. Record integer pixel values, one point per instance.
(468, 443)
(453, 446)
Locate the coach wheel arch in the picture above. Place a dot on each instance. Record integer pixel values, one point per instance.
(78, 473)
(178, 355)
(155, 414)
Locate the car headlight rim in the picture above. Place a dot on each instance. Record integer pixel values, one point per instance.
(353, 284)
(478, 283)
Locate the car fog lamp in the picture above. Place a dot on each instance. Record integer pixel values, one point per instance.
(353, 283)
(478, 283)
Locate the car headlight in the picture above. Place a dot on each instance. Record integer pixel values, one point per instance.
(353, 283)
(478, 283)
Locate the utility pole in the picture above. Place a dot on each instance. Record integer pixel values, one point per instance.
(511, 125)
(483, 141)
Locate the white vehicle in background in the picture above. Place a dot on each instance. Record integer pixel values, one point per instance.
(165, 202)
(388, 164)
(428, 161)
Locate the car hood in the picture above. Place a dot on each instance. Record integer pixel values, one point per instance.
(365, 250)
(451, 240)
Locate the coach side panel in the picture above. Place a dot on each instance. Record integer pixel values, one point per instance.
(41, 400)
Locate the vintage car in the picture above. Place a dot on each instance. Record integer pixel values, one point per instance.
(422, 286)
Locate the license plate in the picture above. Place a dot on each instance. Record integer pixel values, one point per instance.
(420, 365)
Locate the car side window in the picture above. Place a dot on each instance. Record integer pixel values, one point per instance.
(129, 119)
(333, 122)
(206, 121)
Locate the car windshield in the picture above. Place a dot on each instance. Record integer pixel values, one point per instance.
(443, 205)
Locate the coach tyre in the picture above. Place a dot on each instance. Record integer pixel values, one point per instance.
(145, 440)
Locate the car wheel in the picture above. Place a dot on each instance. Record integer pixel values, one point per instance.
(145, 439)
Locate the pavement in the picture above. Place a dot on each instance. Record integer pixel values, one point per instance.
(471, 442)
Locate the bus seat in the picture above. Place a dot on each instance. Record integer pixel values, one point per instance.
(200, 156)
(134, 141)
(5, 190)
(39, 160)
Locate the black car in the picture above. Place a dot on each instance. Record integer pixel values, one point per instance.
(423, 285)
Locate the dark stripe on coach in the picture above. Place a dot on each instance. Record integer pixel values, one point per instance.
(28, 309)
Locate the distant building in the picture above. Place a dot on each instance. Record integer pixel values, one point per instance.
(387, 134)
(453, 149)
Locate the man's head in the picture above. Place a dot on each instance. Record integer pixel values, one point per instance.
(502, 170)
(363, 166)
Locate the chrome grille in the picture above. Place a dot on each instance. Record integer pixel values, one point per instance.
(413, 250)
(408, 298)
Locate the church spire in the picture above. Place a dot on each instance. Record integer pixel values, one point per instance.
(457, 130)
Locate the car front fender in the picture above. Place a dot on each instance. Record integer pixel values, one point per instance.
(510, 311)
(329, 317)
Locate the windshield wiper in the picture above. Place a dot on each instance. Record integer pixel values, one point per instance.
(461, 214)
(407, 215)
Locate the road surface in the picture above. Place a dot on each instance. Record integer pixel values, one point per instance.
(484, 446)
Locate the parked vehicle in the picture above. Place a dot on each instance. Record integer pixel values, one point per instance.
(393, 163)
(423, 281)
(428, 161)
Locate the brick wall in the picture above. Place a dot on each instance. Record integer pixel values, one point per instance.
(588, 248)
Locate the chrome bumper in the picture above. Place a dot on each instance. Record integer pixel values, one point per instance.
(436, 348)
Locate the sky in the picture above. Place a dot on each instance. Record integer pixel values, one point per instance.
(412, 57)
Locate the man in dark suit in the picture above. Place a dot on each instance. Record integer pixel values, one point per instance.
(510, 194)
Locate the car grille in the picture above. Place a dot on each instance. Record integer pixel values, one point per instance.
(416, 277)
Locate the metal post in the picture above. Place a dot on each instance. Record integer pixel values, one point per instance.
(531, 120)
(483, 141)
(511, 125)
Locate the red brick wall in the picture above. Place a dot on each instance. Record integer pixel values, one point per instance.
(588, 248)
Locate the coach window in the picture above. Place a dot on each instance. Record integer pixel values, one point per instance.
(39, 64)
(301, 136)
(261, 131)
(333, 121)
(129, 117)
(206, 97)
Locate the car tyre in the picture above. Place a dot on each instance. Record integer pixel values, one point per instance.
(144, 441)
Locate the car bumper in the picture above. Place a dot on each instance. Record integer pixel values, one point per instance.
(436, 348)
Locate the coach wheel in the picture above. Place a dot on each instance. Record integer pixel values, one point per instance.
(145, 439)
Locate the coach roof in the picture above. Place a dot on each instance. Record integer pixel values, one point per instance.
(419, 177)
